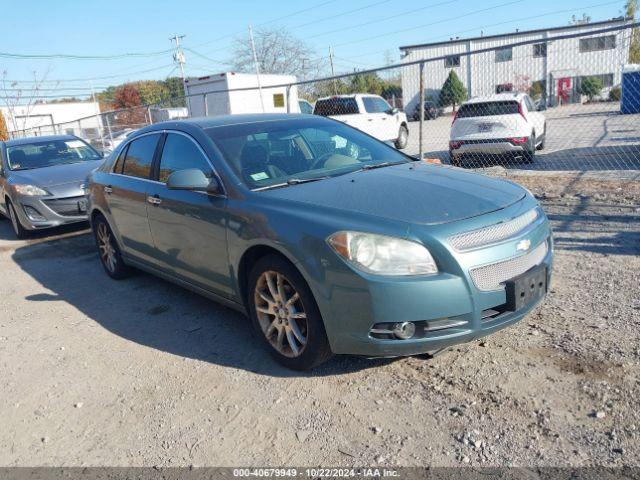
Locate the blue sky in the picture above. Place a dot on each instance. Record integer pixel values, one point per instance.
(143, 26)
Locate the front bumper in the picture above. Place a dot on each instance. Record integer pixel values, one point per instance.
(37, 213)
(358, 302)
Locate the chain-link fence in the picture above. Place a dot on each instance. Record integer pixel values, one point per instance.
(555, 100)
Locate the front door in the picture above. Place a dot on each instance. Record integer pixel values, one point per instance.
(126, 195)
(189, 228)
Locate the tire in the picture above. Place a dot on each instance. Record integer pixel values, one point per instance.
(544, 138)
(530, 155)
(20, 232)
(403, 137)
(291, 328)
(109, 250)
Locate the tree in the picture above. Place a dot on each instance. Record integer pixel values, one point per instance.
(453, 91)
(127, 96)
(4, 133)
(591, 87)
(175, 92)
(631, 8)
(278, 52)
(20, 100)
(537, 89)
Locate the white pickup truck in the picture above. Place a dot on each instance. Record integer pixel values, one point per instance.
(369, 113)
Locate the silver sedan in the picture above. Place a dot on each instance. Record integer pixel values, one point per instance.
(42, 181)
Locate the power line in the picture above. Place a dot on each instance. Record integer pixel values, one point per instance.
(64, 56)
(483, 27)
(87, 79)
(513, 2)
(408, 12)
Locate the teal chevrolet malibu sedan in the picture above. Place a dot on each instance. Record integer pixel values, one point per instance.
(331, 241)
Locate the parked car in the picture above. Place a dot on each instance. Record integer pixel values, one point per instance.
(369, 113)
(374, 255)
(42, 180)
(305, 107)
(431, 111)
(506, 125)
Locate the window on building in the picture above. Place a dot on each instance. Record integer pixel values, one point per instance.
(504, 55)
(139, 158)
(606, 79)
(540, 50)
(594, 44)
(452, 61)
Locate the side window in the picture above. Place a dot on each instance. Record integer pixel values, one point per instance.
(369, 104)
(139, 156)
(382, 105)
(117, 167)
(530, 106)
(180, 153)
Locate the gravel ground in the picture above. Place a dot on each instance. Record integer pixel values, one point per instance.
(140, 372)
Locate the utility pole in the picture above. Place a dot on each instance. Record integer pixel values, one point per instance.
(99, 122)
(255, 60)
(335, 87)
(178, 55)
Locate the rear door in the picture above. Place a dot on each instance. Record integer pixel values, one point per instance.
(387, 125)
(126, 195)
(188, 228)
(488, 120)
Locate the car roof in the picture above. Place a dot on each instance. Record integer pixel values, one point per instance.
(498, 97)
(349, 95)
(44, 138)
(226, 120)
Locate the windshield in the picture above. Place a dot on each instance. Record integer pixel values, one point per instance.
(49, 153)
(264, 154)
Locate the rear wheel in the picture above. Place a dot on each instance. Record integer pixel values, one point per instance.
(403, 138)
(110, 256)
(544, 138)
(19, 231)
(285, 314)
(530, 155)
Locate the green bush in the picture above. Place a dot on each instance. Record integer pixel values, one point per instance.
(537, 89)
(615, 94)
(591, 87)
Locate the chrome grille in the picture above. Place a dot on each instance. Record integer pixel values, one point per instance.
(494, 233)
(492, 276)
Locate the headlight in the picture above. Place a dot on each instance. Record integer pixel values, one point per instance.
(29, 190)
(382, 255)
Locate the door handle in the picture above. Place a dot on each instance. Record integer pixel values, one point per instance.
(108, 190)
(154, 200)
(370, 119)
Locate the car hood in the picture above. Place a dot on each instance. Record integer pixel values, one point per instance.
(56, 175)
(414, 193)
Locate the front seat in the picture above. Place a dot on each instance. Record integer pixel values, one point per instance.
(254, 161)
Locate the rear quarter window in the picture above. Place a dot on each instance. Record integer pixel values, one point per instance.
(332, 107)
(485, 109)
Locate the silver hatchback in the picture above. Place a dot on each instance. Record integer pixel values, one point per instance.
(42, 181)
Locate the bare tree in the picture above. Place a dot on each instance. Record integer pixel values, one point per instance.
(20, 101)
(278, 52)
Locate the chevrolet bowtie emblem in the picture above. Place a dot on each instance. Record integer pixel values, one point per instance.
(523, 245)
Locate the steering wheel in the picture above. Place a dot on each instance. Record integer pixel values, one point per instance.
(320, 161)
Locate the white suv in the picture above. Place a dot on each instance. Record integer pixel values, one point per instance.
(369, 113)
(504, 125)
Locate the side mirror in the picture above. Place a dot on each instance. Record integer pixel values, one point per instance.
(193, 179)
(393, 111)
(541, 107)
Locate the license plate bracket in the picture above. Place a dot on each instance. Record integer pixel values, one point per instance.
(526, 288)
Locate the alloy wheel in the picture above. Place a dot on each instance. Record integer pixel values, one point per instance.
(105, 244)
(281, 315)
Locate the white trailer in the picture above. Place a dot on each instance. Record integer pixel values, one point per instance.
(225, 94)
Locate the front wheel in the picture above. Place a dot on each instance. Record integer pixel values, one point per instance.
(403, 138)
(285, 314)
(20, 232)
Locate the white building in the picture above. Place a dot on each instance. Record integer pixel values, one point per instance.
(75, 118)
(558, 64)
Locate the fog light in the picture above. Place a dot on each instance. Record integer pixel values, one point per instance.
(33, 214)
(404, 330)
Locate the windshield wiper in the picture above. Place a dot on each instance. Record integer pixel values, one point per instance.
(291, 181)
(380, 165)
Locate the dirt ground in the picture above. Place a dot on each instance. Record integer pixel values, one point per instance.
(141, 372)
